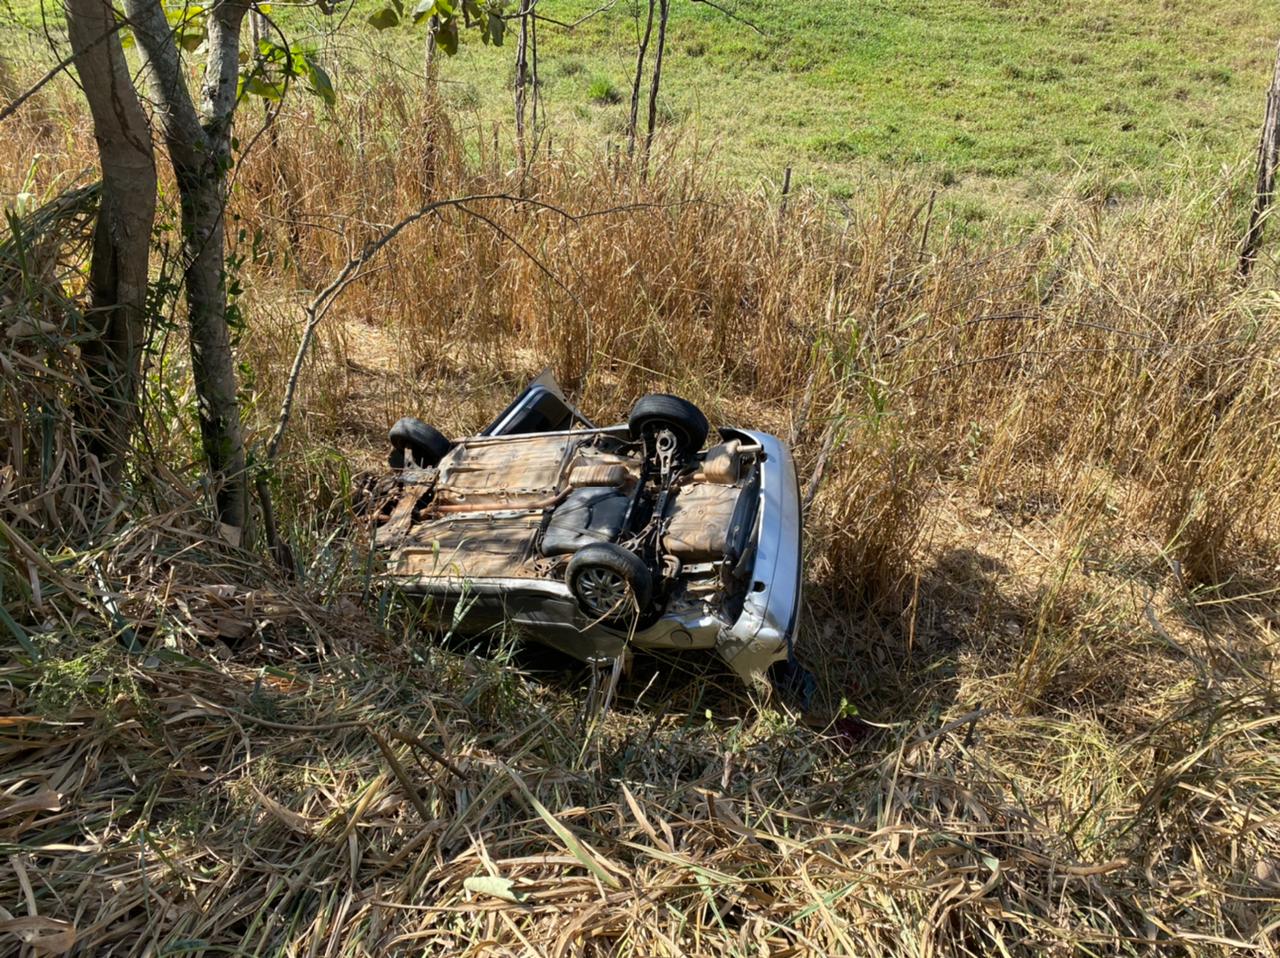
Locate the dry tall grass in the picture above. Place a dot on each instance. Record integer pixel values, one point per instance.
(1042, 568)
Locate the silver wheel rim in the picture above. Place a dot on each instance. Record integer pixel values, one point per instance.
(602, 590)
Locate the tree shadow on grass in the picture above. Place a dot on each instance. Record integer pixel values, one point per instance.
(904, 668)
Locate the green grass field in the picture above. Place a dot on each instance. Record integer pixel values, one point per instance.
(996, 97)
(1002, 102)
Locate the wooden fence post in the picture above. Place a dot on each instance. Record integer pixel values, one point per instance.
(1268, 159)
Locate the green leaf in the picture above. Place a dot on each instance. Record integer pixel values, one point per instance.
(503, 888)
(497, 27)
(260, 86)
(384, 19)
(318, 81)
(299, 60)
(447, 36)
(445, 8)
(191, 37)
(423, 10)
(184, 14)
(20, 634)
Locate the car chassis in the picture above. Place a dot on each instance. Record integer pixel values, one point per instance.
(594, 539)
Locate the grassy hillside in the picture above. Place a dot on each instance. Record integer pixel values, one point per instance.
(998, 102)
(1001, 100)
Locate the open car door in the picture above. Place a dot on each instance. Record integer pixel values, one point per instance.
(541, 407)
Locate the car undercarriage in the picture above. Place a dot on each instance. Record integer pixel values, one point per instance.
(594, 540)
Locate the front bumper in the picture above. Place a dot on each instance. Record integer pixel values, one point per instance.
(764, 632)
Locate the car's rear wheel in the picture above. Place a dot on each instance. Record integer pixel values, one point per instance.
(659, 411)
(609, 582)
(425, 444)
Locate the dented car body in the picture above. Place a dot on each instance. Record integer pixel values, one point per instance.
(596, 539)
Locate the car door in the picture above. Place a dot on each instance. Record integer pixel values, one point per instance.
(541, 407)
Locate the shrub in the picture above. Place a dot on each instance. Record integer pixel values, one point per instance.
(602, 90)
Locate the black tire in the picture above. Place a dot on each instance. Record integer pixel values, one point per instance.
(600, 575)
(426, 444)
(660, 411)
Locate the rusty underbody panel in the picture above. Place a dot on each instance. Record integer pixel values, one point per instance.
(520, 472)
(700, 520)
(469, 547)
(481, 512)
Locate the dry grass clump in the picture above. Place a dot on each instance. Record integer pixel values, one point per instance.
(402, 800)
(42, 461)
(1041, 558)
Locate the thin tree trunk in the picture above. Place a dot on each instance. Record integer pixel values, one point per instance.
(212, 361)
(522, 72)
(204, 206)
(200, 149)
(256, 31)
(429, 51)
(634, 118)
(1268, 161)
(664, 9)
(534, 84)
(122, 235)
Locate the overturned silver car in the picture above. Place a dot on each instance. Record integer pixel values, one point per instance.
(595, 539)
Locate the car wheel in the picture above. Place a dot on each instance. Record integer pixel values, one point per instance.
(426, 444)
(660, 411)
(609, 581)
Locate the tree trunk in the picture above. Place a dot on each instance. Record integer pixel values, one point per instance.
(1268, 160)
(535, 85)
(122, 235)
(204, 204)
(212, 362)
(429, 51)
(634, 118)
(522, 75)
(664, 10)
(200, 149)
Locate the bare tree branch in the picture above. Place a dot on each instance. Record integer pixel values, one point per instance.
(664, 12)
(634, 116)
(1268, 163)
(320, 305)
(32, 90)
